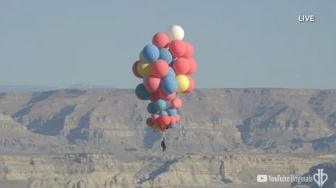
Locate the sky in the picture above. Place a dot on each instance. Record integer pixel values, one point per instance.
(237, 43)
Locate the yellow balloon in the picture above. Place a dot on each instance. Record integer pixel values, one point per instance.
(144, 69)
(182, 83)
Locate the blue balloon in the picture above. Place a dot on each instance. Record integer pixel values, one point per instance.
(151, 53)
(171, 111)
(160, 105)
(165, 55)
(168, 85)
(151, 108)
(164, 113)
(141, 92)
(171, 73)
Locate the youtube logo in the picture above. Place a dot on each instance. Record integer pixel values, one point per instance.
(262, 178)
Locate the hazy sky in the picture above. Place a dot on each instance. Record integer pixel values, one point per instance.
(251, 43)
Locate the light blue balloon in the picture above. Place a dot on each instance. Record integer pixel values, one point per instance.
(164, 113)
(171, 73)
(165, 55)
(171, 111)
(141, 92)
(151, 53)
(160, 105)
(151, 108)
(168, 85)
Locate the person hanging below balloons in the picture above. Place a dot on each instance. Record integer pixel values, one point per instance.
(163, 144)
(165, 67)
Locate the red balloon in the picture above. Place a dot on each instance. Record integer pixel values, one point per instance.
(189, 50)
(160, 40)
(176, 103)
(154, 96)
(154, 118)
(159, 68)
(181, 66)
(160, 121)
(152, 84)
(165, 120)
(135, 69)
(149, 121)
(192, 66)
(177, 48)
(166, 97)
(191, 85)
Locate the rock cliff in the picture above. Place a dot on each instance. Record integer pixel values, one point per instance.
(98, 138)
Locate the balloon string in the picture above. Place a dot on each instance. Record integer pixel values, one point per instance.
(164, 134)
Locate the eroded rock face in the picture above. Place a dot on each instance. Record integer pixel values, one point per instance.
(214, 120)
(193, 170)
(47, 130)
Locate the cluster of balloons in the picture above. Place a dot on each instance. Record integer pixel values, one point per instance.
(166, 67)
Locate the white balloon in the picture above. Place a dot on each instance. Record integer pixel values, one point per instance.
(175, 32)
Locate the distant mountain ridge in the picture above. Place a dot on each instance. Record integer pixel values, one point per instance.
(40, 88)
(26, 88)
(213, 121)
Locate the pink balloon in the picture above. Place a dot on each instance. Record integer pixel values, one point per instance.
(189, 50)
(159, 69)
(155, 118)
(192, 66)
(152, 84)
(161, 40)
(177, 48)
(181, 66)
(176, 103)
